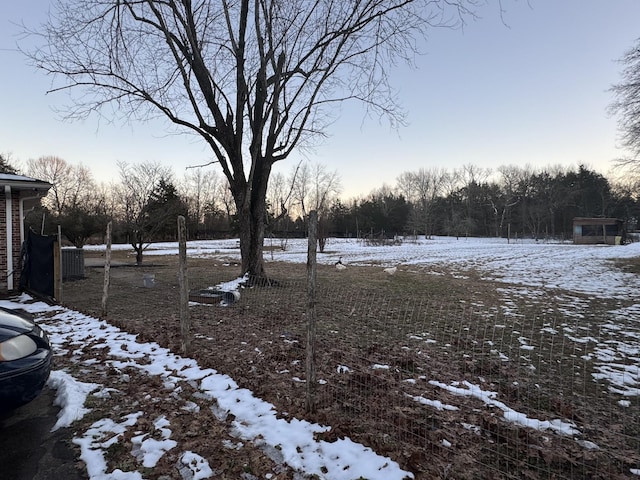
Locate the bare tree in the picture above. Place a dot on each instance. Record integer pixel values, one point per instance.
(200, 189)
(509, 181)
(626, 105)
(422, 188)
(280, 194)
(254, 79)
(300, 184)
(314, 188)
(473, 174)
(137, 184)
(72, 185)
(74, 199)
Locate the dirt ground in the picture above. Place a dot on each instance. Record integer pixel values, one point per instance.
(364, 318)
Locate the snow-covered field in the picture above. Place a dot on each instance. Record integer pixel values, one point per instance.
(525, 267)
(577, 268)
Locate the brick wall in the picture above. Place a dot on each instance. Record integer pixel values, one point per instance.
(3, 245)
(16, 243)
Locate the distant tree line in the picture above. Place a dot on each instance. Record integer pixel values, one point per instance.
(516, 201)
(471, 201)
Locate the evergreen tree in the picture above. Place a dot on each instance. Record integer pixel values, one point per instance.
(6, 167)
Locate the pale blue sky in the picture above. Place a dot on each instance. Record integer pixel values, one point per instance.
(532, 92)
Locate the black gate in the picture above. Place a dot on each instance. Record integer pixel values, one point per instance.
(38, 274)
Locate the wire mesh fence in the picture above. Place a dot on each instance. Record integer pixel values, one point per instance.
(450, 377)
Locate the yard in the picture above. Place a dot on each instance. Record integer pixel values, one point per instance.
(477, 360)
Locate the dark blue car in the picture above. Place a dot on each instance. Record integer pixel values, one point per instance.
(25, 359)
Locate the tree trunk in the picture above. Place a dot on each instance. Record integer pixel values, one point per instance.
(321, 232)
(251, 243)
(137, 247)
(252, 205)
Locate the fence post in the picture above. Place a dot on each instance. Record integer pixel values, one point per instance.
(107, 272)
(310, 401)
(184, 286)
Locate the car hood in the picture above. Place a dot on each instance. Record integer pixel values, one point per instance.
(13, 324)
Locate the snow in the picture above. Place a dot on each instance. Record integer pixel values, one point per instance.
(97, 439)
(149, 450)
(71, 395)
(529, 263)
(197, 468)
(254, 418)
(525, 267)
(510, 415)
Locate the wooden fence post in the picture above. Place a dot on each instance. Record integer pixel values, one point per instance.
(107, 272)
(183, 280)
(310, 401)
(58, 274)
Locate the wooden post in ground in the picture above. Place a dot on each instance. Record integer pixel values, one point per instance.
(185, 324)
(107, 272)
(310, 401)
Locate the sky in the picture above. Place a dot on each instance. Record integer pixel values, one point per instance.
(527, 269)
(529, 87)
